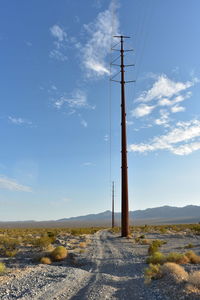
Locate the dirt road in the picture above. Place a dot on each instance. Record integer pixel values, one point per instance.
(116, 271)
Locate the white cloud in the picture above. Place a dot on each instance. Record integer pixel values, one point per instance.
(58, 33)
(57, 54)
(84, 123)
(53, 87)
(177, 108)
(77, 100)
(142, 110)
(98, 45)
(164, 118)
(11, 184)
(181, 140)
(60, 37)
(19, 121)
(164, 88)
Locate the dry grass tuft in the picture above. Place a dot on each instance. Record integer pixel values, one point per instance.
(59, 253)
(2, 268)
(178, 258)
(156, 258)
(152, 272)
(82, 245)
(193, 257)
(174, 271)
(45, 260)
(194, 279)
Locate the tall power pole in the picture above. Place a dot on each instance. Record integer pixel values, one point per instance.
(113, 204)
(124, 163)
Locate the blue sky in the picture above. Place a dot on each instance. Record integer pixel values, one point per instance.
(55, 106)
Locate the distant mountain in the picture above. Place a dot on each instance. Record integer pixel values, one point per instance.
(157, 215)
(189, 212)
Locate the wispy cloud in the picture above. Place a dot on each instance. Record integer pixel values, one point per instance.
(60, 38)
(142, 110)
(164, 93)
(58, 55)
(164, 87)
(58, 33)
(183, 139)
(98, 44)
(177, 108)
(84, 123)
(19, 121)
(88, 164)
(163, 119)
(11, 184)
(77, 100)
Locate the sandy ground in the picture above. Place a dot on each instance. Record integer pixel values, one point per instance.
(112, 268)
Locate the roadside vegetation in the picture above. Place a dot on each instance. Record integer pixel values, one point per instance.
(42, 245)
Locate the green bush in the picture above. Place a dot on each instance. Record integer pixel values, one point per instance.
(152, 272)
(2, 268)
(59, 253)
(156, 258)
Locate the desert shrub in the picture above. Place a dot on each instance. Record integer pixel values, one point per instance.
(59, 253)
(82, 251)
(174, 271)
(193, 257)
(52, 236)
(163, 230)
(156, 258)
(2, 268)
(177, 258)
(45, 260)
(142, 236)
(42, 242)
(10, 253)
(82, 245)
(152, 272)
(189, 246)
(194, 279)
(155, 245)
(145, 242)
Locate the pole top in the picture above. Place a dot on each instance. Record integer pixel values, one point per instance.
(122, 36)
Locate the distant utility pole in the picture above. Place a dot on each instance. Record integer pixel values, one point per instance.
(124, 163)
(113, 204)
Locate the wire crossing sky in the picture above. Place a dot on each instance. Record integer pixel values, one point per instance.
(55, 136)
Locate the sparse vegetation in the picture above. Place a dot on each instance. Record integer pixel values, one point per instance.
(193, 257)
(174, 271)
(59, 253)
(155, 245)
(82, 245)
(2, 268)
(194, 279)
(189, 246)
(152, 272)
(156, 258)
(45, 260)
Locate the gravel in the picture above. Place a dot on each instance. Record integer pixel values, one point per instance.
(111, 268)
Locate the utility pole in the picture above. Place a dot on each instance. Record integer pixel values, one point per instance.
(113, 205)
(124, 163)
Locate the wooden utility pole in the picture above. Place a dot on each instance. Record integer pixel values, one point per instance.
(113, 204)
(124, 163)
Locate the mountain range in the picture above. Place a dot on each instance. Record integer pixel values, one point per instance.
(157, 215)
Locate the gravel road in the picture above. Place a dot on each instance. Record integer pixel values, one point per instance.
(113, 268)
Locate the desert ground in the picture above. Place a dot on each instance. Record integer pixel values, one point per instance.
(103, 265)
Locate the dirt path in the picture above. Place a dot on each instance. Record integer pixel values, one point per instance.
(117, 271)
